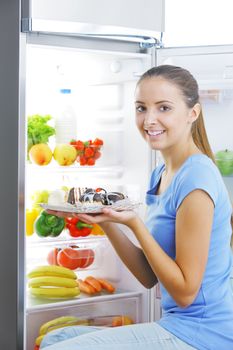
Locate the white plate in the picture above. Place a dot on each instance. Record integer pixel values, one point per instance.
(124, 204)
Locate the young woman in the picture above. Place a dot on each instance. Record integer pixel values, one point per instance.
(185, 242)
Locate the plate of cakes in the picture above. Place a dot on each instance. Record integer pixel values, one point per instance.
(92, 201)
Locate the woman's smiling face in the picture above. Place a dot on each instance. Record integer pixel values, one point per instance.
(162, 116)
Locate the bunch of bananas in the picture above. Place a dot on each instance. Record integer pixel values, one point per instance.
(56, 323)
(52, 281)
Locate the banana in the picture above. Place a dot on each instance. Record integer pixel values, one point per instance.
(39, 339)
(57, 323)
(59, 292)
(52, 270)
(52, 281)
(75, 323)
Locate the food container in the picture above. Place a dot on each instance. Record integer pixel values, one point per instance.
(88, 151)
(104, 313)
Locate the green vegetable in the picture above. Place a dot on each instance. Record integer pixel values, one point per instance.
(49, 225)
(38, 131)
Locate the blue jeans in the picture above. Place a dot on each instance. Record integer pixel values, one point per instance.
(144, 336)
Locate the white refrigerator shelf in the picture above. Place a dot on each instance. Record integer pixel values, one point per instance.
(35, 304)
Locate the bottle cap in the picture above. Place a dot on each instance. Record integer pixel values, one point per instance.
(65, 91)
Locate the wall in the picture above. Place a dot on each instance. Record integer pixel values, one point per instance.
(192, 23)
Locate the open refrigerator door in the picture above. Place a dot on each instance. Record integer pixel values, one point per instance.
(101, 82)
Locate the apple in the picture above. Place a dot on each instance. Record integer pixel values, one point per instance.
(40, 154)
(75, 258)
(65, 154)
(224, 161)
(39, 196)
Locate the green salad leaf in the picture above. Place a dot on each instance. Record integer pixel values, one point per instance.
(38, 131)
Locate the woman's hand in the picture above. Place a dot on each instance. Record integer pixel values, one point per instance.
(107, 215)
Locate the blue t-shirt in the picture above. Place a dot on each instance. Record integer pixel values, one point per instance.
(208, 322)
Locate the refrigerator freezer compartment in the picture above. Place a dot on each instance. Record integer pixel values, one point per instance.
(115, 310)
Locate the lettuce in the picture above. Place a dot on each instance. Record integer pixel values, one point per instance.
(38, 131)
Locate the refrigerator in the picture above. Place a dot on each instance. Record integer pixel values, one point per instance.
(98, 52)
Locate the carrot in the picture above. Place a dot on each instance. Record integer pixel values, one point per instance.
(106, 285)
(94, 283)
(86, 287)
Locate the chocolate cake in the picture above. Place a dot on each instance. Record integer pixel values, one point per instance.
(98, 196)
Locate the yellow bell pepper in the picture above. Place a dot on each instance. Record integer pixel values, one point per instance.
(97, 230)
(31, 215)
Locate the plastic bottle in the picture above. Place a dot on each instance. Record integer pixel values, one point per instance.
(66, 121)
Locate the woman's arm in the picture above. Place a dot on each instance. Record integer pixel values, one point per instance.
(131, 255)
(182, 277)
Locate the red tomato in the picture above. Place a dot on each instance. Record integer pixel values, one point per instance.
(69, 258)
(75, 258)
(88, 257)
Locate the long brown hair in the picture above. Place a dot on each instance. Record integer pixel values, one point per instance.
(188, 86)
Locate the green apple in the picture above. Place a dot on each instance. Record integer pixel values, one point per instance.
(224, 161)
(65, 154)
(39, 196)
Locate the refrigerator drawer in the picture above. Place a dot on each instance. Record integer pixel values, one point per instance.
(106, 312)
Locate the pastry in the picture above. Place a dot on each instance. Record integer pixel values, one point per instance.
(90, 196)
